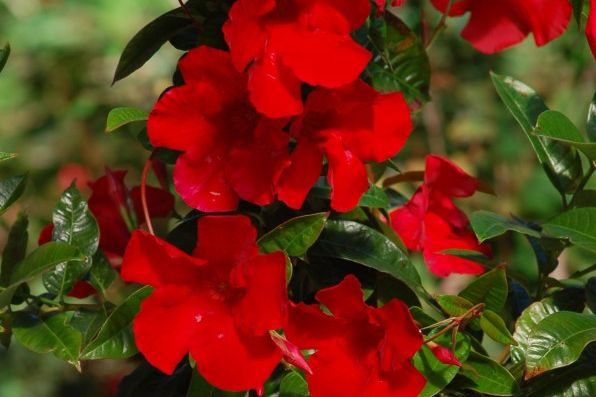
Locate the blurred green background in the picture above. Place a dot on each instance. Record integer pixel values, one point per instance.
(55, 93)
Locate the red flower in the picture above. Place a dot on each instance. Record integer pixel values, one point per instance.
(218, 304)
(496, 25)
(229, 150)
(348, 125)
(430, 222)
(286, 42)
(591, 27)
(362, 351)
(444, 354)
(381, 5)
(115, 207)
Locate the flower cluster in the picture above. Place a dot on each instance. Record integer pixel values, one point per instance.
(239, 113)
(430, 222)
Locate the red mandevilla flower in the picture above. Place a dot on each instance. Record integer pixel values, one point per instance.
(348, 125)
(218, 304)
(286, 42)
(229, 150)
(114, 207)
(430, 222)
(496, 25)
(361, 351)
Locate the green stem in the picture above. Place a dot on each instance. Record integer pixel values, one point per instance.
(441, 25)
(581, 273)
(582, 184)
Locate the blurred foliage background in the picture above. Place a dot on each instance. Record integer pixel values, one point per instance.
(55, 93)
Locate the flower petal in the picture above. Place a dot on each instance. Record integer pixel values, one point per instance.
(199, 177)
(299, 177)
(230, 360)
(404, 382)
(591, 27)
(346, 175)
(274, 90)
(254, 168)
(336, 374)
(160, 202)
(402, 337)
(226, 239)
(165, 326)
(264, 306)
(344, 300)
(408, 220)
(179, 119)
(150, 260)
(320, 57)
(309, 327)
(444, 176)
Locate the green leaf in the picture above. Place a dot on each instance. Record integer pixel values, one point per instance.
(494, 326)
(557, 126)
(591, 122)
(578, 6)
(10, 190)
(490, 288)
(149, 40)
(293, 385)
(454, 305)
(358, 243)
(484, 375)
(4, 54)
(524, 327)
(87, 323)
(7, 156)
(488, 225)
(101, 274)
(561, 163)
(577, 380)
(120, 117)
(74, 224)
(43, 258)
(52, 334)
(437, 374)
(114, 339)
(295, 236)
(400, 61)
(578, 225)
(15, 249)
(558, 340)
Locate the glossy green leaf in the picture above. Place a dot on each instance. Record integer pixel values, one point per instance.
(10, 190)
(400, 62)
(101, 273)
(295, 236)
(494, 326)
(74, 224)
(484, 375)
(562, 163)
(120, 117)
(437, 374)
(52, 334)
(555, 125)
(87, 323)
(591, 121)
(577, 380)
(490, 288)
(114, 339)
(577, 225)
(358, 243)
(43, 258)
(15, 248)
(7, 156)
(454, 305)
(488, 225)
(149, 40)
(558, 340)
(293, 385)
(4, 54)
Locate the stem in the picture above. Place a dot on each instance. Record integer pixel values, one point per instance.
(457, 322)
(441, 25)
(581, 273)
(189, 14)
(144, 176)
